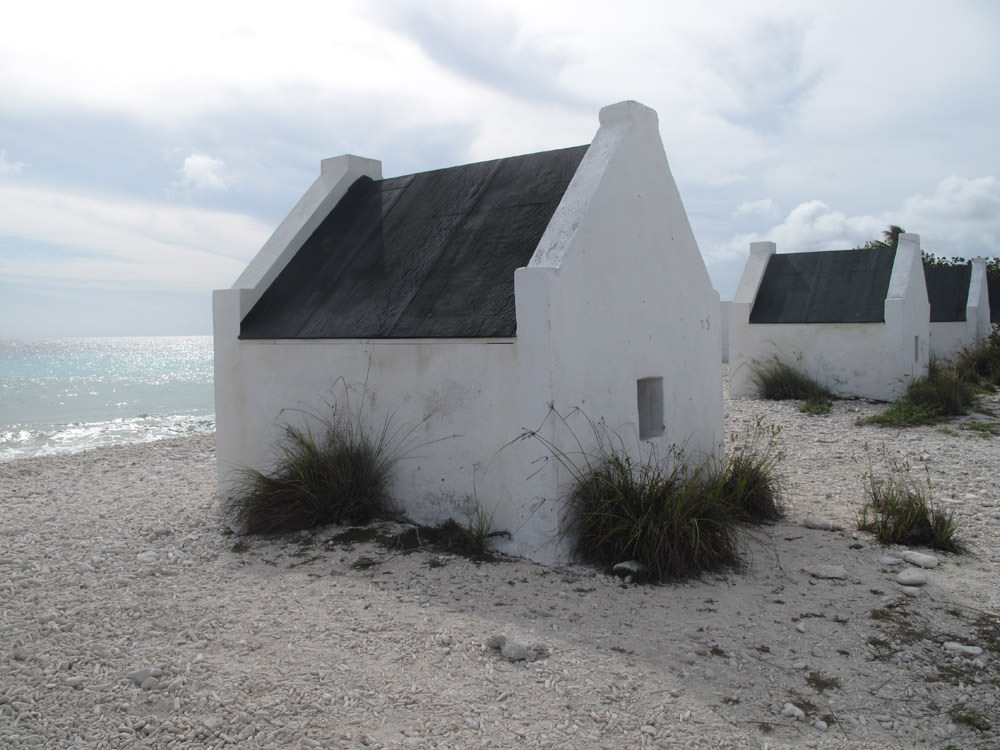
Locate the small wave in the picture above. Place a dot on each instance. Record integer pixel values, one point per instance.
(28, 441)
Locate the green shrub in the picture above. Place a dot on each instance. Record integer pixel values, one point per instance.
(778, 381)
(928, 399)
(749, 477)
(674, 524)
(475, 537)
(341, 477)
(980, 365)
(940, 392)
(900, 510)
(815, 407)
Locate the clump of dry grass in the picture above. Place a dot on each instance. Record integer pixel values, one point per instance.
(901, 510)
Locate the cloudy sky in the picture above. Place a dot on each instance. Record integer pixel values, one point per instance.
(147, 151)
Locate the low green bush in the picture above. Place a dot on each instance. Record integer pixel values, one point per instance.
(900, 510)
(341, 477)
(936, 396)
(676, 520)
(777, 380)
(674, 525)
(980, 365)
(749, 477)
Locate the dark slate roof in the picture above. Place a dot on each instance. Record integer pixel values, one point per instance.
(837, 286)
(948, 292)
(427, 255)
(994, 288)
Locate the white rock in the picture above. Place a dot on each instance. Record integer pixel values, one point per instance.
(512, 650)
(820, 725)
(819, 523)
(139, 676)
(960, 648)
(628, 566)
(912, 591)
(828, 571)
(890, 560)
(919, 559)
(911, 577)
(146, 558)
(793, 712)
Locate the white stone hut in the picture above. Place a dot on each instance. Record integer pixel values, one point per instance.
(857, 321)
(960, 307)
(545, 293)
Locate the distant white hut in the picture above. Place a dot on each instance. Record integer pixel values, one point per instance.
(475, 303)
(857, 321)
(960, 307)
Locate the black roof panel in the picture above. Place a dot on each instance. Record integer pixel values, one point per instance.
(948, 292)
(427, 255)
(838, 286)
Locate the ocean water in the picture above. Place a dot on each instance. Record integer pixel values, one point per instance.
(70, 395)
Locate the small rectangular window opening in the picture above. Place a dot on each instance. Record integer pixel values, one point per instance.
(650, 398)
(916, 348)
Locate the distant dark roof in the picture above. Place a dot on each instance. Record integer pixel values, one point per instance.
(948, 292)
(425, 255)
(838, 286)
(994, 288)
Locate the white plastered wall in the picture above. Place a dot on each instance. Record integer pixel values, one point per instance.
(724, 314)
(948, 339)
(868, 360)
(616, 291)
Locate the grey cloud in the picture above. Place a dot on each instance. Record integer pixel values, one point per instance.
(484, 48)
(768, 73)
(959, 197)
(9, 168)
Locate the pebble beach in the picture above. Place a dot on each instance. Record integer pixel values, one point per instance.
(130, 616)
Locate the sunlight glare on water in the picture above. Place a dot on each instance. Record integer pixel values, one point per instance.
(67, 395)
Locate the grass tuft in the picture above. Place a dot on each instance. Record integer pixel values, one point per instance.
(928, 400)
(675, 518)
(900, 510)
(674, 523)
(749, 478)
(980, 365)
(341, 477)
(778, 381)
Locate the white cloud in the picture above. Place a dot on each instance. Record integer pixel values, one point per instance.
(120, 240)
(754, 99)
(961, 217)
(765, 209)
(202, 172)
(9, 168)
(973, 200)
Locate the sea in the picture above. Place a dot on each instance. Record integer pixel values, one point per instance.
(74, 394)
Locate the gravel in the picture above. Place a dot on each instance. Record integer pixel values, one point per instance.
(130, 617)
